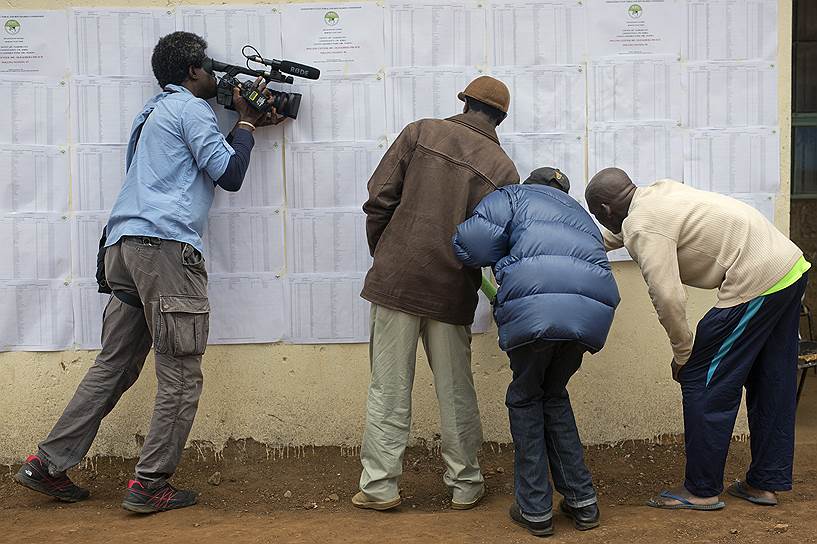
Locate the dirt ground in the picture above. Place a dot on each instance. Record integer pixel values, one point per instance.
(253, 494)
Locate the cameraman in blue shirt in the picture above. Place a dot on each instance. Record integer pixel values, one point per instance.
(154, 266)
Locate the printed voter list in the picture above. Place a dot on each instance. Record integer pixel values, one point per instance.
(662, 88)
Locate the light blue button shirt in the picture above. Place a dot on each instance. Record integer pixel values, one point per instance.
(169, 188)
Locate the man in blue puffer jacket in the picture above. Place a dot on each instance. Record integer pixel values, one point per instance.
(556, 300)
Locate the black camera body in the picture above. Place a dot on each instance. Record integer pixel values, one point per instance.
(249, 91)
(286, 104)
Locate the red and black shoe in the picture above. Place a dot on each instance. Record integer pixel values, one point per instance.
(35, 476)
(146, 500)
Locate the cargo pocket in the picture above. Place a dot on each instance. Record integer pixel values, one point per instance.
(182, 325)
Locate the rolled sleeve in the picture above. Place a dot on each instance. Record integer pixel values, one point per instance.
(207, 144)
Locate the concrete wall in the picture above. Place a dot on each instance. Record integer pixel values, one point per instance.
(284, 394)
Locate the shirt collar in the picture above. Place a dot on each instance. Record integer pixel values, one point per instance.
(478, 123)
(177, 88)
(639, 191)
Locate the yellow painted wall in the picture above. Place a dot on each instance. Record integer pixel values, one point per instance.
(286, 394)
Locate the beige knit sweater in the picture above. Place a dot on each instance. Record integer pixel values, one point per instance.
(682, 236)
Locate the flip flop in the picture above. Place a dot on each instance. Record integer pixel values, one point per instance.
(685, 504)
(738, 489)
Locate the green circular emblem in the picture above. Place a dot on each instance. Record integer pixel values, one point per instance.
(331, 18)
(12, 26)
(635, 11)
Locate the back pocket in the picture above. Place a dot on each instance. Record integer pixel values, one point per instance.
(182, 325)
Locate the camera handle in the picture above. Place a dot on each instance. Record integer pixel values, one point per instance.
(232, 70)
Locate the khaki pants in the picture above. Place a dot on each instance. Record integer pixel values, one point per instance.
(393, 352)
(171, 282)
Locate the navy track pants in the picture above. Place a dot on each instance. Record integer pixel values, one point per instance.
(753, 345)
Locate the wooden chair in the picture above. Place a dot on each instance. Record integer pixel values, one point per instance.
(807, 352)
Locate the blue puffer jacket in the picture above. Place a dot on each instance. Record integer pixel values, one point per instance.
(548, 257)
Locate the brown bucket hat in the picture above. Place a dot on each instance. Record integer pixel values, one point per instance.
(488, 91)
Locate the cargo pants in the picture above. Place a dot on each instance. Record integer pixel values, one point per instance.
(170, 280)
(393, 357)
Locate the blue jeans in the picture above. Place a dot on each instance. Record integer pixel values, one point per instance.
(544, 429)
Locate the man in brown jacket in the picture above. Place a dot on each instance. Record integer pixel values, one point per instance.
(429, 182)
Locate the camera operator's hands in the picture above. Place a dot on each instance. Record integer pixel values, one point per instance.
(247, 113)
(271, 118)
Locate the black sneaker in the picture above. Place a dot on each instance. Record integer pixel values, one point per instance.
(34, 475)
(145, 500)
(536, 528)
(585, 518)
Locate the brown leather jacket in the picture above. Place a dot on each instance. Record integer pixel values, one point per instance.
(429, 182)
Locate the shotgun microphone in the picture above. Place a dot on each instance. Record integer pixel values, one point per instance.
(288, 67)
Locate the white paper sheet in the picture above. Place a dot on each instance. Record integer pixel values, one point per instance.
(764, 203)
(733, 160)
(619, 255)
(34, 42)
(103, 109)
(562, 151)
(88, 307)
(35, 316)
(525, 33)
(344, 38)
(36, 246)
(648, 89)
(246, 309)
(35, 179)
(617, 27)
(327, 309)
(732, 94)
(86, 229)
(117, 41)
(420, 93)
(228, 29)
(327, 241)
(331, 175)
(731, 30)
(646, 152)
(340, 109)
(484, 317)
(245, 241)
(445, 33)
(544, 99)
(264, 182)
(35, 111)
(97, 174)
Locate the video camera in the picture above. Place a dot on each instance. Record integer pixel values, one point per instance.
(285, 104)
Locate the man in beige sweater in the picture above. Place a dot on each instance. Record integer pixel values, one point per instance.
(682, 236)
